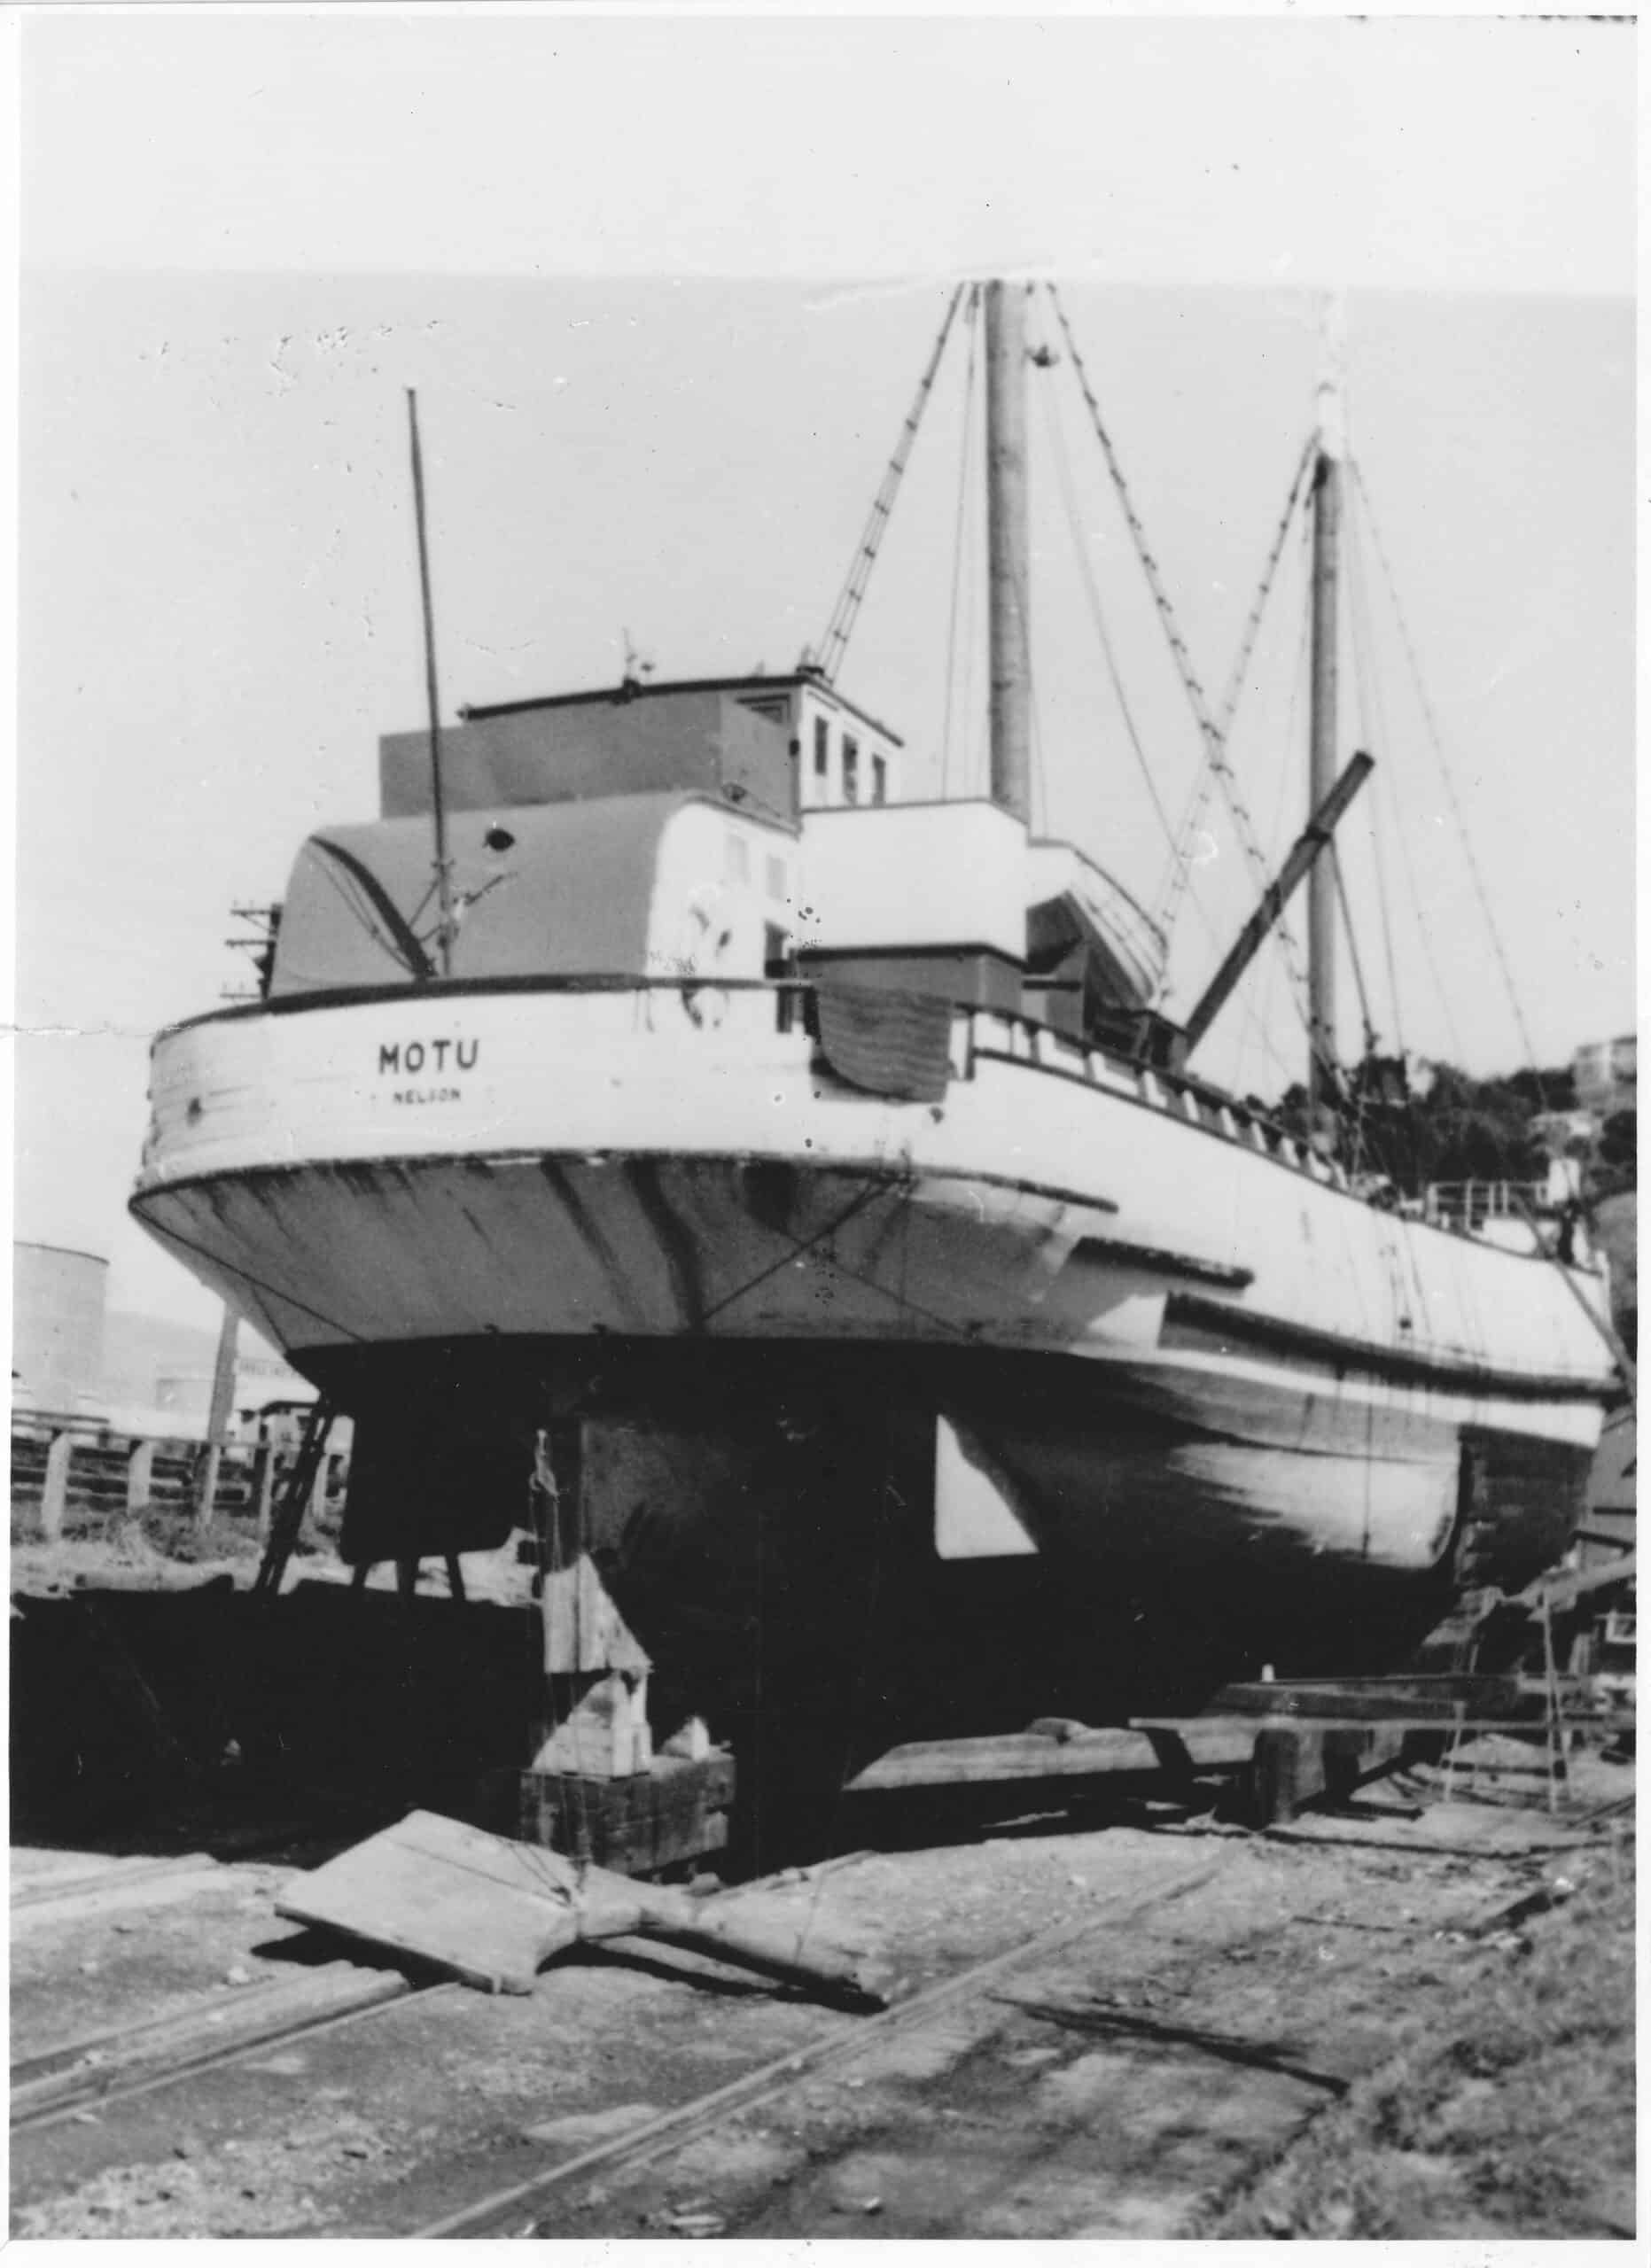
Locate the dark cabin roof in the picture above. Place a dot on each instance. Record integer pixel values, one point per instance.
(631, 690)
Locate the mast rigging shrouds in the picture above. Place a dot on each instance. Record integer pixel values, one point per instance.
(1167, 911)
(1215, 747)
(443, 864)
(1436, 743)
(835, 643)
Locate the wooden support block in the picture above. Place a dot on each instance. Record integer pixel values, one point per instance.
(1289, 1772)
(675, 1812)
(692, 1740)
(140, 1466)
(606, 1738)
(54, 1494)
(1297, 1764)
(585, 1633)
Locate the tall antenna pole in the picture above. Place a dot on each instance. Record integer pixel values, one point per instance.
(1008, 547)
(444, 867)
(1327, 523)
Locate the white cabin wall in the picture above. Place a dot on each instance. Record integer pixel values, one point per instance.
(911, 875)
(816, 709)
(720, 875)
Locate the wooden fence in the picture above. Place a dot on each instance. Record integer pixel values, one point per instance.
(62, 1467)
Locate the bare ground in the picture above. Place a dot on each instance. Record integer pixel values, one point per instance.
(1256, 2039)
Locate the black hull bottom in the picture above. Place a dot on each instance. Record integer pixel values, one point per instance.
(764, 1518)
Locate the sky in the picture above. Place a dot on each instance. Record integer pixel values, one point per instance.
(664, 284)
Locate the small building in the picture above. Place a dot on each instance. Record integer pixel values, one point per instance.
(1604, 1074)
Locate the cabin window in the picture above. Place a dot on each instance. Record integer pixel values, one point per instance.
(823, 748)
(773, 876)
(737, 859)
(851, 770)
(775, 944)
(879, 779)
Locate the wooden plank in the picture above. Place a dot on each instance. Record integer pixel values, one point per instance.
(487, 1910)
(1186, 1744)
(1368, 1700)
(1212, 1731)
(491, 1911)
(585, 1633)
(606, 1736)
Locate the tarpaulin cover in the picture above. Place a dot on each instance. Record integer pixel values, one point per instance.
(894, 1043)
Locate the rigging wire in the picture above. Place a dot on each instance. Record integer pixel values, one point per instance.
(1215, 747)
(1368, 692)
(959, 536)
(1069, 500)
(835, 643)
(1176, 879)
(1259, 1006)
(1361, 1092)
(1354, 958)
(1387, 781)
(1436, 742)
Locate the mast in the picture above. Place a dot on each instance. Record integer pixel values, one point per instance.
(438, 806)
(1327, 521)
(1008, 547)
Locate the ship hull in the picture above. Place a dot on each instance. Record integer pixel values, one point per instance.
(1187, 1379)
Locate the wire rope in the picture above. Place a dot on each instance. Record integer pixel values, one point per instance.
(1069, 501)
(1214, 744)
(1176, 877)
(1368, 690)
(1258, 1007)
(835, 643)
(1388, 784)
(1436, 743)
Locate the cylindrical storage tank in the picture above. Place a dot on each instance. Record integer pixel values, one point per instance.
(57, 1301)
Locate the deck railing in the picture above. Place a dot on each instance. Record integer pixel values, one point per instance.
(1470, 1204)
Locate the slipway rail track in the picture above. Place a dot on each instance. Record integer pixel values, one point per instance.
(107, 2068)
(1213, 1991)
(502, 2214)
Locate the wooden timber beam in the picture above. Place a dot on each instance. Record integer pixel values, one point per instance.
(1291, 874)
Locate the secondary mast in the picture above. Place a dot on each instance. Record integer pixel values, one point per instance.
(1008, 547)
(445, 923)
(1326, 523)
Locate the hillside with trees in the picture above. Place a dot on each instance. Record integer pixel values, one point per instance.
(1435, 1123)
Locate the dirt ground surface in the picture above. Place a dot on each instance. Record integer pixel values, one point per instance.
(1412, 2019)
(1349, 2033)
